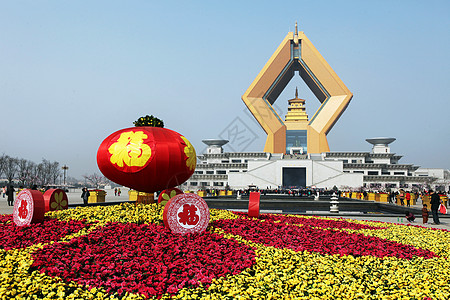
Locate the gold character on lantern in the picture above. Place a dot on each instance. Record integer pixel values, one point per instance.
(189, 150)
(130, 150)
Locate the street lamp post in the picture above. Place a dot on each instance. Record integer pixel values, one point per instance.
(65, 168)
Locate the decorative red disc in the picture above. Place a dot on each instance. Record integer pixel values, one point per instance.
(186, 213)
(253, 204)
(28, 207)
(168, 194)
(55, 199)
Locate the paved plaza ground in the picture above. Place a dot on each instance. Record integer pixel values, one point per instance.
(75, 198)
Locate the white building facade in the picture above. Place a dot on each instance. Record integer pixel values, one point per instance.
(378, 170)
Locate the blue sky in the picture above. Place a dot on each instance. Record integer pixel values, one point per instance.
(73, 72)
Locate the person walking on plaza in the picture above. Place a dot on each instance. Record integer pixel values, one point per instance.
(115, 192)
(435, 202)
(419, 197)
(401, 197)
(425, 214)
(119, 191)
(10, 194)
(85, 195)
(4, 191)
(408, 199)
(391, 197)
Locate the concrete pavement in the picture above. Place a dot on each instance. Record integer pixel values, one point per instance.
(75, 198)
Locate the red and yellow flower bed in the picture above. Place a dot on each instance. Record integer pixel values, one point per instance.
(125, 252)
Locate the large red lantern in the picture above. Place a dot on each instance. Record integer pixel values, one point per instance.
(147, 159)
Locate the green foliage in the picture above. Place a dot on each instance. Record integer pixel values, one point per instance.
(148, 121)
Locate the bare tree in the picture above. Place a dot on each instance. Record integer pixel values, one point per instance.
(2, 164)
(10, 169)
(55, 172)
(29, 173)
(95, 180)
(26, 172)
(22, 171)
(33, 175)
(72, 181)
(43, 172)
(428, 182)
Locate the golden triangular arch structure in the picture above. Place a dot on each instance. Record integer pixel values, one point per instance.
(297, 53)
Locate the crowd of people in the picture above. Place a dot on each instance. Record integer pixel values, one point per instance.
(405, 198)
(8, 191)
(400, 197)
(289, 192)
(436, 203)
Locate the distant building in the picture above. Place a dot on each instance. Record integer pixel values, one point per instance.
(296, 153)
(379, 169)
(442, 182)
